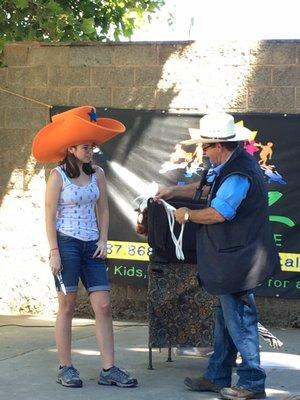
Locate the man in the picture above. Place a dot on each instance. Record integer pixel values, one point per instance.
(235, 253)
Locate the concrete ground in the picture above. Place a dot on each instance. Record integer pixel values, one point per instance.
(28, 363)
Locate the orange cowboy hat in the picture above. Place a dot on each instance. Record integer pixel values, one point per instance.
(70, 128)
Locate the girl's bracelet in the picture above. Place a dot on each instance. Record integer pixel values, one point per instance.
(54, 248)
(50, 251)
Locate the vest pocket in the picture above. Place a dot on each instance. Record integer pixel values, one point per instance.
(232, 249)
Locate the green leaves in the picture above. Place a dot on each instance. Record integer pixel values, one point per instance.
(88, 26)
(21, 4)
(59, 20)
(72, 20)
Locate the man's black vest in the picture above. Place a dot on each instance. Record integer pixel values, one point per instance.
(239, 254)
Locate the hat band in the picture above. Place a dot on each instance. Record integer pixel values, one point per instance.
(217, 137)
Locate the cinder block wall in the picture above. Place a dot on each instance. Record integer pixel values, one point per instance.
(182, 77)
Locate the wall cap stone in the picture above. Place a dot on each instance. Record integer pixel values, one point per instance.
(143, 43)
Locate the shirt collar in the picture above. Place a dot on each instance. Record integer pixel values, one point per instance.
(215, 171)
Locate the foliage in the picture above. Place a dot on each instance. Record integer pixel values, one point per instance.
(72, 20)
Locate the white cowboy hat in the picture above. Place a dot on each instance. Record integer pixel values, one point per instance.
(217, 127)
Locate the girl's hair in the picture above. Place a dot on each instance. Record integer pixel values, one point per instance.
(72, 169)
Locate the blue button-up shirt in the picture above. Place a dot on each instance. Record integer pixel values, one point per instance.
(230, 194)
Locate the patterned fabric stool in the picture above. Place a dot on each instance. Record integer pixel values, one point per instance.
(180, 312)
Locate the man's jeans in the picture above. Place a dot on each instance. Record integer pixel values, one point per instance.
(236, 331)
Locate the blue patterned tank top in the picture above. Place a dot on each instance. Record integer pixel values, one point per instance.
(76, 213)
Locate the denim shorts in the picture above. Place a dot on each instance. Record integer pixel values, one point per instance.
(78, 262)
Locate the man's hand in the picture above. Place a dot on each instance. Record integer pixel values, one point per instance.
(182, 215)
(164, 193)
(207, 216)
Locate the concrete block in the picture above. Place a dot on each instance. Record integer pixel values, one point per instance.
(11, 98)
(259, 76)
(18, 157)
(91, 56)
(112, 76)
(167, 50)
(216, 53)
(28, 76)
(23, 118)
(225, 52)
(6, 170)
(238, 101)
(297, 100)
(45, 55)
(18, 97)
(97, 96)
(15, 54)
(68, 76)
(51, 96)
(3, 76)
(11, 139)
(279, 99)
(135, 54)
(286, 76)
(148, 76)
(139, 98)
(164, 99)
(2, 117)
(201, 99)
(272, 53)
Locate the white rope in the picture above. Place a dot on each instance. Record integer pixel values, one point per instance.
(150, 191)
(171, 220)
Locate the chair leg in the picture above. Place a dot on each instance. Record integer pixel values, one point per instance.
(150, 365)
(169, 359)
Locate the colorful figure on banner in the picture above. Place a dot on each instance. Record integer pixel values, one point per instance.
(180, 154)
(274, 176)
(198, 154)
(265, 155)
(226, 242)
(180, 159)
(77, 218)
(192, 163)
(192, 169)
(251, 147)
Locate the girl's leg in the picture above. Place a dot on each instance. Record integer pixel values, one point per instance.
(100, 301)
(63, 327)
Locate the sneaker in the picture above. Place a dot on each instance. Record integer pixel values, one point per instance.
(241, 393)
(118, 377)
(69, 376)
(201, 385)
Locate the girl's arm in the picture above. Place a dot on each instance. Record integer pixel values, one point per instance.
(102, 213)
(53, 189)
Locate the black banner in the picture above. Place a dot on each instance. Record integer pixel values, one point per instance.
(150, 151)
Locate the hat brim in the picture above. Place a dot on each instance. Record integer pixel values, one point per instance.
(241, 134)
(51, 142)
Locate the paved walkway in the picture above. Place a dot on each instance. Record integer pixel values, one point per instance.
(28, 363)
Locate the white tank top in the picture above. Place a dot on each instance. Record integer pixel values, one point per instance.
(76, 214)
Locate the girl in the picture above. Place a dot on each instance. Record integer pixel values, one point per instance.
(76, 213)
